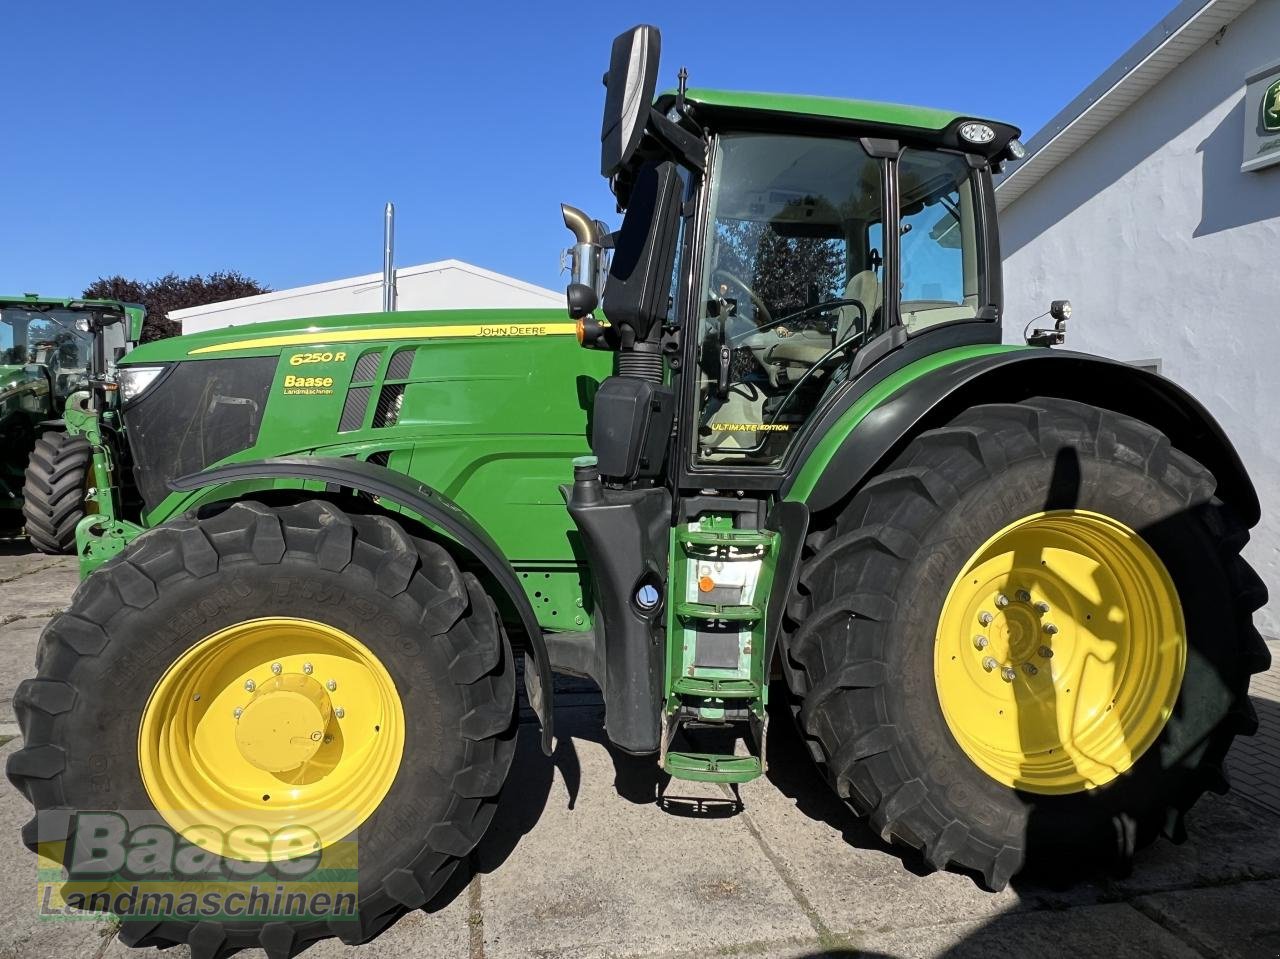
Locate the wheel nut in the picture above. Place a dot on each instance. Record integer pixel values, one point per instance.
(339, 712)
(1029, 669)
(1042, 606)
(989, 663)
(250, 685)
(1002, 600)
(985, 618)
(980, 642)
(331, 685)
(277, 668)
(1050, 629)
(1024, 596)
(1046, 652)
(1008, 674)
(236, 712)
(306, 668)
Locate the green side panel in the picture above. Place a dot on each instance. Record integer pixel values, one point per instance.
(487, 407)
(822, 454)
(868, 111)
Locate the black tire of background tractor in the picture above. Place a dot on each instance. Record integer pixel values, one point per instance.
(862, 631)
(432, 626)
(53, 491)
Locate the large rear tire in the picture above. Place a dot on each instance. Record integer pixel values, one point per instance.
(959, 721)
(112, 722)
(53, 492)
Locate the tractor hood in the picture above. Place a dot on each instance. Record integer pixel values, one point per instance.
(267, 339)
(507, 387)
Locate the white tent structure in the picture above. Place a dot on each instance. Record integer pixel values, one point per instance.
(443, 285)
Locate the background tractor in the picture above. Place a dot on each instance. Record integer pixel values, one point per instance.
(779, 436)
(50, 350)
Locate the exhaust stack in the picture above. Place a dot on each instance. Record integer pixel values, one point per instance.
(388, 259)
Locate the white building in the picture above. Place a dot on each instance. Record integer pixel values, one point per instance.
(444, 285)
(1132, 203)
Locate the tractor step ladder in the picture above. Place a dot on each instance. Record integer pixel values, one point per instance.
(715, 652)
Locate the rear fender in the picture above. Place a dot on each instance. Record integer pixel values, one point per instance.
(861, 442)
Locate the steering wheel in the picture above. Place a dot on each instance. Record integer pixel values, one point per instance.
(805, 311)
(719, 272)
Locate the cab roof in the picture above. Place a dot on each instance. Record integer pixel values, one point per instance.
(832, 108)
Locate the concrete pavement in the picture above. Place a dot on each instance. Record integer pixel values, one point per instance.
(592, 854)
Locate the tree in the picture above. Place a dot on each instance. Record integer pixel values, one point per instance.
(787, 272)
(172, 292)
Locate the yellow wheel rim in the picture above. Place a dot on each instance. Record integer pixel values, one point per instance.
(1060, 652)
(271, 739)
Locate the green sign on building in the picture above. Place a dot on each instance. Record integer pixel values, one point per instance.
(1262, 118)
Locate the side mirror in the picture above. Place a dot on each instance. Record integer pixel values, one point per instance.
(630, 85)
(644, 254)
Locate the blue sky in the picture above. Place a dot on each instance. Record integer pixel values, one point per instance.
(265, 136)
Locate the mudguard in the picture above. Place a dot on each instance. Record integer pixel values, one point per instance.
(434, 507)
(863, 433)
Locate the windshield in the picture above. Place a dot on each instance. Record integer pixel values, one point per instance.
(794, 276)
(47, 338)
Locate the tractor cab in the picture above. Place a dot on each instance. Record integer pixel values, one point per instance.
(777, 254)
(63, 344)
(788, 244)
(50, 349)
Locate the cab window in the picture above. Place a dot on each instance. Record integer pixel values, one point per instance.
(791, 288)
(941, 280)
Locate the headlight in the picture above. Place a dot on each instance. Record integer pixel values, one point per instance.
(134, 380)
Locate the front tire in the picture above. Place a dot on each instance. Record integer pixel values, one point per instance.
(959, 753)
(53, 491)
(141, 699)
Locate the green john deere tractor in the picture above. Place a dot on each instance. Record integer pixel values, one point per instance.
(1000, 585)
(51, 350)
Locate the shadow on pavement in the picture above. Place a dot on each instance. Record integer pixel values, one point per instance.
(793, 772)
(15, 546)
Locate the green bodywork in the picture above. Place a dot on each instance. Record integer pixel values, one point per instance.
(833, 108)
(495, 406)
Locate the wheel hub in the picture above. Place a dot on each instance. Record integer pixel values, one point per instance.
(284, 724)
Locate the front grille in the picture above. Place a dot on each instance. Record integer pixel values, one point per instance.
(387, 412)
(353, 409)
(401, 363)
(199, 413)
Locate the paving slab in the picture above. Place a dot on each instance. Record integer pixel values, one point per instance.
(22, 933)
(586, 864)
(444, 934)
(1115, 931)
(20, 559)
(1230, 922)
(43, 591)
(17, 662)
(1229, 840)
(1254, 761)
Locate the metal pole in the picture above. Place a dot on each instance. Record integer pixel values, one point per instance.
(388, 259)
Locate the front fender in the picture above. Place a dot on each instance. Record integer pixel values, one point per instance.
(877, 422)
(436, 509)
